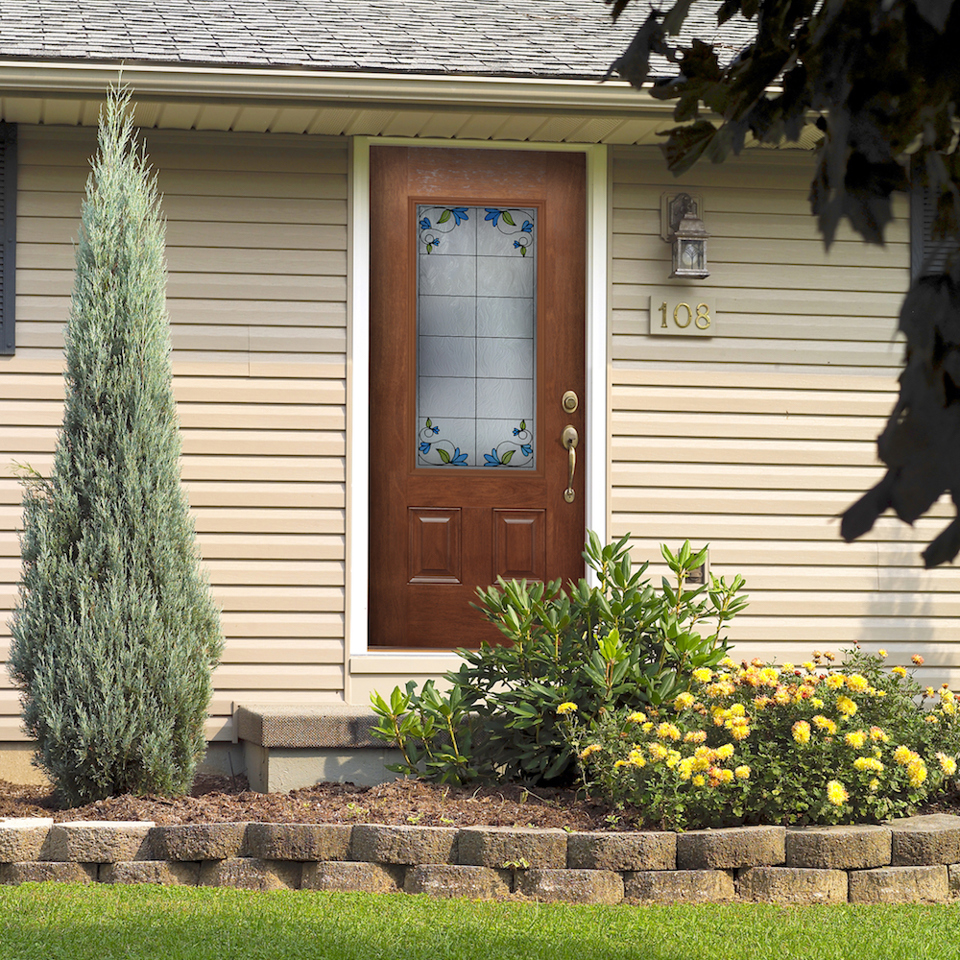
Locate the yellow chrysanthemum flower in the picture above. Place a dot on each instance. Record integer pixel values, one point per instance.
(590, 750)
(725, 752)
(769, 676)
(668, 731)
(684, 702)
(816, 703)
(946, 696)
(699, 780)
(836, 680)
(917, 772)
(876, 733)
(685, 768)
(673, 758)
(917, 659)
(636, 759)
(725, 776)
(857, 682)
(874, 785)
(868, 763)
(837, 793)
(740, 732)
(782, 696)
(695, 736)
(738, 710)
(621, 763)
(638, 716)
(647, 727)
(948, 707)
(742, 772)
(846, 706)
(899, 671)
(825, 724)
(947, 764)
(882, 654)
(903, 755)
(566, 708)
(657, 751)
(808, 666)
(703, 674)
(856, 739)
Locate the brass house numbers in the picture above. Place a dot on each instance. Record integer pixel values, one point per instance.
(683, 312)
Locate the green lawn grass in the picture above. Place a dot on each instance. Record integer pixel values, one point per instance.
(63, 922)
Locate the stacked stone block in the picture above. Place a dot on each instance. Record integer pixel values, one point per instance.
(912, 859)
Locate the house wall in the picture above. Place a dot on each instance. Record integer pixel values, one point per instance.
(756, 439)
(753, 440)
(257, 240)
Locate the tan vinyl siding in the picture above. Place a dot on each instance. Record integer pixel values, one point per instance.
(757, 439)
(256, 245)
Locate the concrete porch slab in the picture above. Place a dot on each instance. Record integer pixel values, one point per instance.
(298, 745)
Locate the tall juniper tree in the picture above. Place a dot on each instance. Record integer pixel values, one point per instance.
(114, 632)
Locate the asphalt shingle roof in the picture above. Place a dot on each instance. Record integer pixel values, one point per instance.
(532, 38)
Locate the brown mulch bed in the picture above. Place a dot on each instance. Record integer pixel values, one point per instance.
(227, 799)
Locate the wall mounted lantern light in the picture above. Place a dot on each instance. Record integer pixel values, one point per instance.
(688, 237)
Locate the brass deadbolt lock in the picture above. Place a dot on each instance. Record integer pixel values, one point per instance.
(570, 401)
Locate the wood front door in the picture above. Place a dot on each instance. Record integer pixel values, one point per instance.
(478, 273)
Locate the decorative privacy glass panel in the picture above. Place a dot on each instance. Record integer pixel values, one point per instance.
(476, 336)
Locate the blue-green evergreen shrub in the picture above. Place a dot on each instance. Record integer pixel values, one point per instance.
(114, 631)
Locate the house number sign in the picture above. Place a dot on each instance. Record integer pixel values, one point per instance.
(683, 312)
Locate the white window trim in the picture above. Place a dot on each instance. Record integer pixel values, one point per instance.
(358, 363)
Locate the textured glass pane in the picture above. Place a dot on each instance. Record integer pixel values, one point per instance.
(448, 276)
(506, 232)
(448, 357)
(446, 230)
(498, 357)
(447, 441)
(505, 399)
(504, 317)
(503, 277)
(447, 397)
(451, 316)
(476, 331)
(505, 442)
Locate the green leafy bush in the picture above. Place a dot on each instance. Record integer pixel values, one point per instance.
(760, 743)
(617, 641)
(114, 631)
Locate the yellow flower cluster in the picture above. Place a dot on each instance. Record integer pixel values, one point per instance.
(868, 763)
(638, 716)
(567, 707)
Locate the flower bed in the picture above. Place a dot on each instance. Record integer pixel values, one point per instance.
(904, 860)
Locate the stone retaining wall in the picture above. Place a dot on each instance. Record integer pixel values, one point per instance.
(913, 859)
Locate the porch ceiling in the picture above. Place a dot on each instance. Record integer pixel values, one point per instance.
(335, 104)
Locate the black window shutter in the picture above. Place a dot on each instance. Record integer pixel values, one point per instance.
(927, 256)
(8, 235)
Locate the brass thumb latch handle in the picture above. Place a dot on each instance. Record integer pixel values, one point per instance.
(570, 438)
